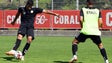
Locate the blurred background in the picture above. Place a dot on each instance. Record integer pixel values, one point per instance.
(55, 4)
(69, 9)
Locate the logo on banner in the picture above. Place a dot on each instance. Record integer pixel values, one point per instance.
(66, 19)
(109, 19)
(41, 19)
(10, 18)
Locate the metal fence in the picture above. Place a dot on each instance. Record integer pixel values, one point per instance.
(55, 4)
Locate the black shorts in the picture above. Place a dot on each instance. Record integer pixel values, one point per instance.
(28, 31)
(82, 37)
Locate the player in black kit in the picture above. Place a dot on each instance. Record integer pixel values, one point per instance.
(28, 14)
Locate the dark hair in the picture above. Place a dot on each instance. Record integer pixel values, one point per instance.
(90, 2)
(30, 2)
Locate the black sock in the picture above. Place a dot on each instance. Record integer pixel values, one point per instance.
(25, 48)
(74, 49)
(17, 44)
(103, 52)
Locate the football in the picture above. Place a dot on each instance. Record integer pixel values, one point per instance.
(18, 55)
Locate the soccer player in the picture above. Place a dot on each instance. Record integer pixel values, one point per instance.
(28, 14)
(91, 21)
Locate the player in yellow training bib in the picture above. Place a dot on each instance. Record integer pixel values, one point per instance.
(90, 20)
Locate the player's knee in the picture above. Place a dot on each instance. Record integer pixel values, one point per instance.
(20, 36)
(29, 39)
(100, 45)
(75, 41)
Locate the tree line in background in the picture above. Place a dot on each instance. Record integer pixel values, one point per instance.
(57, 4)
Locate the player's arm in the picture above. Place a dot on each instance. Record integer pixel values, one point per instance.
(50, 12)
(17, 15)
(81, 18)
(81, 21)
(100, 21)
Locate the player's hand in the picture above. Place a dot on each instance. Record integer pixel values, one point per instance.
(57, 15)
(13, 23)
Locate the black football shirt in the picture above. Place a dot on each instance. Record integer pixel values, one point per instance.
(28, 16)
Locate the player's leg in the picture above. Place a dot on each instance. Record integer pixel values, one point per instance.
(30, 37)
(80, 38)
(16, 46)
(20, 35)
(74, 50)
(27, 45)
(98, 42)
(103, 52)
(18, 42)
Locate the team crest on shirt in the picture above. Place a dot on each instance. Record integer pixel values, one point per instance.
(24, 12)
(31, 11)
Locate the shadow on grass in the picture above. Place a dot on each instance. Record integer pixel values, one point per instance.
(64, 62)
(12, 59)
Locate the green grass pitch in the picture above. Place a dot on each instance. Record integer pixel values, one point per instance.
(55, 50)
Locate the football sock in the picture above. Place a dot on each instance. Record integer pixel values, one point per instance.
(17, 44)
(74, 49)
(103, 52)
(25, 48)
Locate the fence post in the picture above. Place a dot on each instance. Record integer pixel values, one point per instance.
(37, 3)
(51, 17)
(77, 4)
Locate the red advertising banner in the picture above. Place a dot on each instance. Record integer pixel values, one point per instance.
(42, 21)
(1, 19)
(107, 19)
(9, 16)
(68, 19)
